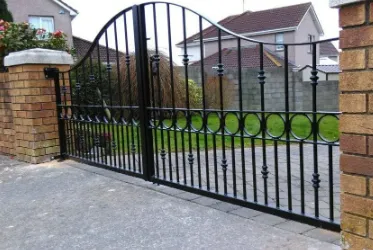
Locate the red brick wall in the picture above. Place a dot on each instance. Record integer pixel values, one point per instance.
(356, 125)
(6, 116)
(28, 125)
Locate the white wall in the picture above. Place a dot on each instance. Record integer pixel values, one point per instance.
(194, 54)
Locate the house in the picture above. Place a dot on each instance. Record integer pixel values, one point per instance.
(51, 15)
(250, 58)
(82, 47)
(290, 24)
(328, 53)
(325, 72)
(55, 15)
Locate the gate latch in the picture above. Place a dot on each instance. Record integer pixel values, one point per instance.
(51, 73)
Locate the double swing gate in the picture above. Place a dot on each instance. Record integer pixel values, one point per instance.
(128, 106)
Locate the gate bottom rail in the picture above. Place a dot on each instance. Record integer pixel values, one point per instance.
(303, 218)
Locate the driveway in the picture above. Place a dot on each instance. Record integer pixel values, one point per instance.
(74, 206)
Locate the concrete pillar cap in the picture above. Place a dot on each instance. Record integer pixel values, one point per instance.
(340, 3)
(38, 56)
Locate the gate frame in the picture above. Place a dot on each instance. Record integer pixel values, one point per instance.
(147, 143)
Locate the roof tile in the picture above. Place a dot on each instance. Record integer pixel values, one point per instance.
(249, 22)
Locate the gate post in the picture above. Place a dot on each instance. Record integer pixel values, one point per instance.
(356, 123)
(54, 73)
(142, 75)
(33, 103)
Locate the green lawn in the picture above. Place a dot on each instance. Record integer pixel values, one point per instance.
(301, 128)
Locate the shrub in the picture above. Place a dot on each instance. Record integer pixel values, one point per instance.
(164, 86)
(212, 90)
(195, 94)
(21, 36)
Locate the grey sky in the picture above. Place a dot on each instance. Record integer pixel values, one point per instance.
(95, 13)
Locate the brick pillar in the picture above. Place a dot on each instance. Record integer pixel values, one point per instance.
(6, 116)
(356, 124)
(34, 103)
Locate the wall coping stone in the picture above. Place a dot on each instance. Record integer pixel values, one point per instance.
(38, 56)
(340, 3)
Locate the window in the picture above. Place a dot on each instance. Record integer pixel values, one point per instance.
(280, 41)
(39, 22)
(311, 38)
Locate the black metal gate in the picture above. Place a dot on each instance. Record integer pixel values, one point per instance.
(128, 107)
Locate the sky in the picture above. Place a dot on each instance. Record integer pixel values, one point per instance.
(94, 14)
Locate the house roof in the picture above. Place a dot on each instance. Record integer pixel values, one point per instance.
(73, 12)
(82, 46)
(328, 49)
(250, 58)
(258, 21)
(327, 69)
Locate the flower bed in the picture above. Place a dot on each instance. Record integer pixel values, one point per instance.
(21, 36)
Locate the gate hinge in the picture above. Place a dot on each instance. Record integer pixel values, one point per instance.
(51, 73)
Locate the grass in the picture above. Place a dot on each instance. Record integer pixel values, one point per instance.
(168, 139)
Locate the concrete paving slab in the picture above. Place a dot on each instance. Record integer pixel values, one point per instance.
(246, 212)
(269, 219)
(324, 235)
(295, 227)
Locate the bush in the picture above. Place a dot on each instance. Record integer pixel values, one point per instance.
(21, 36)
(164, 86)
(212, 90)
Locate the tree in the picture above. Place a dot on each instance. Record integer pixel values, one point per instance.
(5, 14)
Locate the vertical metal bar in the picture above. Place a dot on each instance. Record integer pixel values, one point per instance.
(170, 45)
(234, 167)
(139, 148)
(301, 157)
(331, 183)
(154, 115)
(215, 163)
(111, 118)
(71, 120)
(224, 164)
(102, 122)
(94, 130)
(129, 84)
(189, 118)
(143, 87)
(287, 125)
(61, 122)
(119, 83)
(156, 59)
(71, 123)
(277, 188)
(201, 45)
(78, 139)
(315, 179)
(84, 116)
(65, 117)
(262, 78)
(199, 161)
(242, 122)
(253, 160)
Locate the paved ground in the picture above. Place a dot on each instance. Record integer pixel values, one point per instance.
(235, 176)
(75, 206)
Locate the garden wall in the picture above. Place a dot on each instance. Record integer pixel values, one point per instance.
(7, 134)
(300, 93)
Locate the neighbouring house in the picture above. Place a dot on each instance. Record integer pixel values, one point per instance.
(325, 72)
(82, 47)
(50, 15)
(328, 53)
(53, 15)
(249, 58)
(290, 24)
